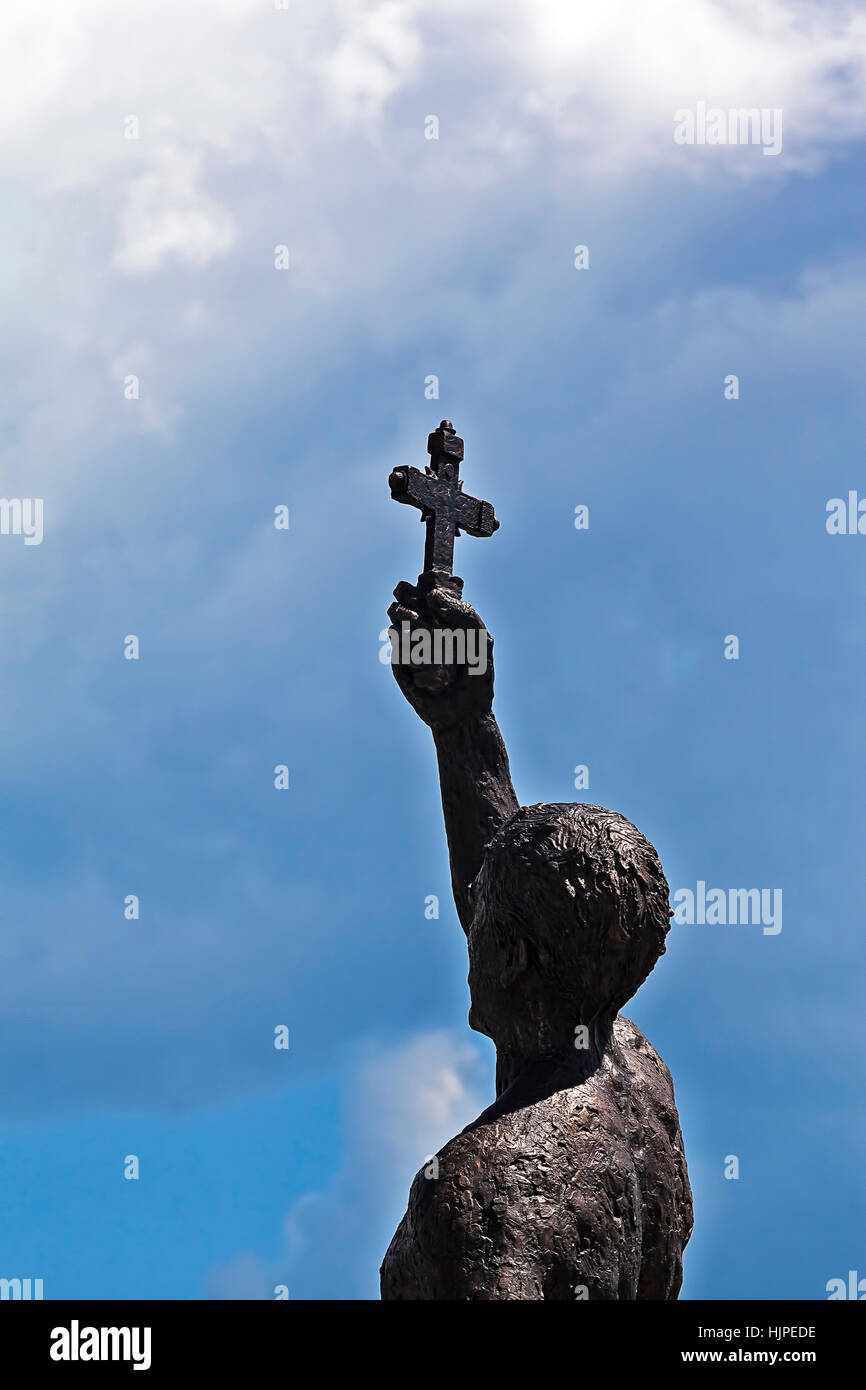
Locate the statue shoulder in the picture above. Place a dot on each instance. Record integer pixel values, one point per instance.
(634, 1049)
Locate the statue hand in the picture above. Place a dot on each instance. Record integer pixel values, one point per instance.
(451, 678)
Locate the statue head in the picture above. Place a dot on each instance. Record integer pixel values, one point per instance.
(570, 914)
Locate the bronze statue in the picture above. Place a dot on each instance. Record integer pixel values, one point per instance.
(573, 1183)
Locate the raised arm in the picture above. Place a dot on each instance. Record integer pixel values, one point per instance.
(454, 697)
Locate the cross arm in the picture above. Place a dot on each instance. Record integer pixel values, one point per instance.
(474, 517)
(412, 486)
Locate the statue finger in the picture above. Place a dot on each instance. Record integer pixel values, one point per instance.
(398, 614)
(406, 593)
(447, 607)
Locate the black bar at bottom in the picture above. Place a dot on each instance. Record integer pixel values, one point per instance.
(221, 1338)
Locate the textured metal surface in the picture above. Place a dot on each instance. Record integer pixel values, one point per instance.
(573, 1184)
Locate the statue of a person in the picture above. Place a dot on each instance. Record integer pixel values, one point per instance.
(573, 1183)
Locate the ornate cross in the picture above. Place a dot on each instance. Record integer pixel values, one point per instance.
(438, 494)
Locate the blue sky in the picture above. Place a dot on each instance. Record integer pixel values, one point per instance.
(259, 387)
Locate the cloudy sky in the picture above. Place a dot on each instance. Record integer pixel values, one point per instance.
(166, 386)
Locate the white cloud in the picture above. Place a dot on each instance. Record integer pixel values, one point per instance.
(168, 215)
(259, 126)
(402, 1104)
(378, 51)
(629, 66)
(406, 1101)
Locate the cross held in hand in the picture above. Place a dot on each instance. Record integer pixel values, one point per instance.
(439, 496)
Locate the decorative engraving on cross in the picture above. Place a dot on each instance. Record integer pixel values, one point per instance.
(439, 496)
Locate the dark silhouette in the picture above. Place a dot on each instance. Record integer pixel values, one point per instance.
(573, 1184)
